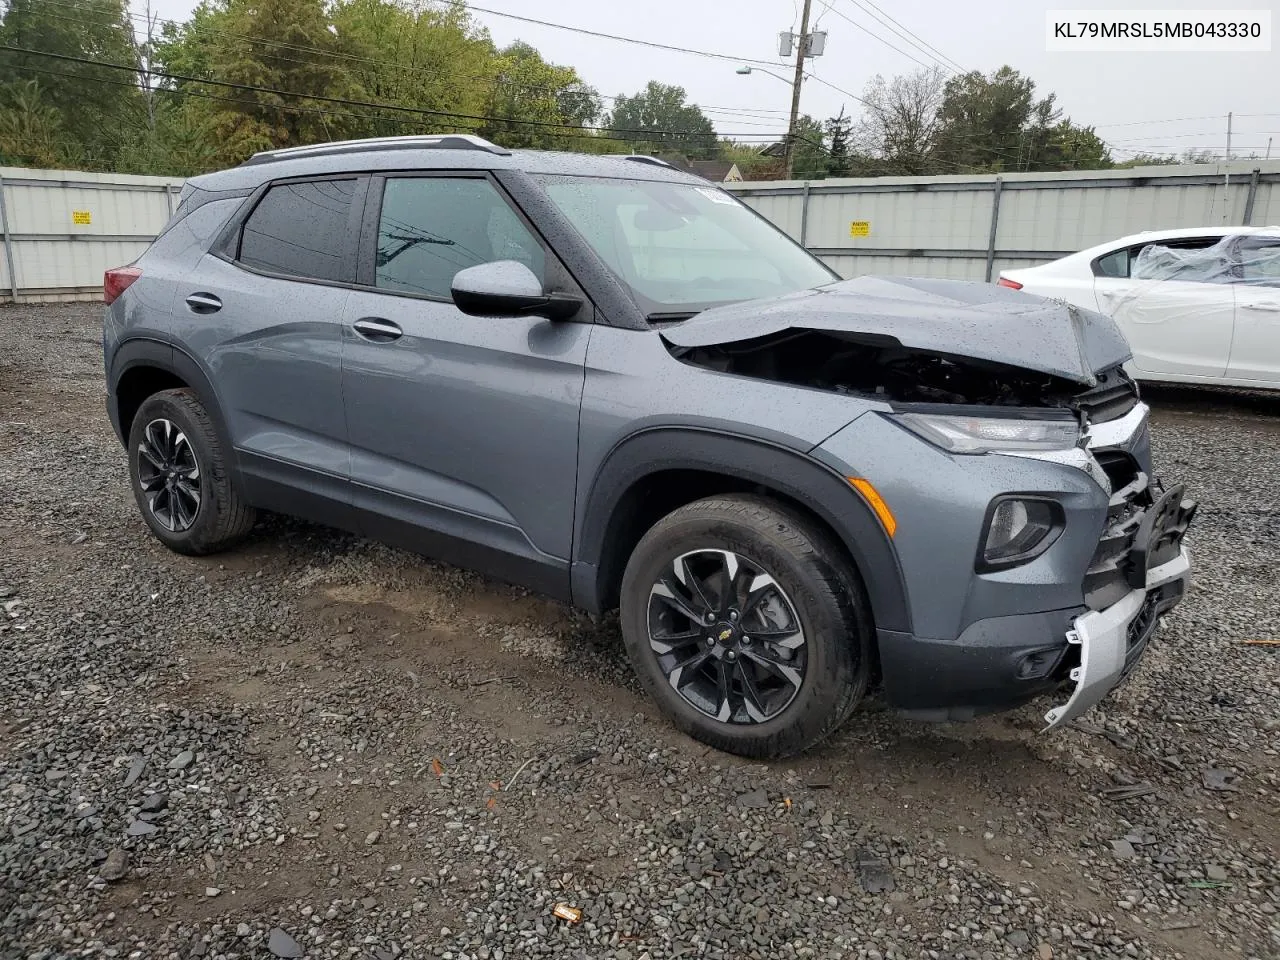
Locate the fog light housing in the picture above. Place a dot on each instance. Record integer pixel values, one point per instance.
(1017, 530)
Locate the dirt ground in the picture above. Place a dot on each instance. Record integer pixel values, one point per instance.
(393, 757)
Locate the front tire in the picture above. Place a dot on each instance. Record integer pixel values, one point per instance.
(747, 626)
(178, 470)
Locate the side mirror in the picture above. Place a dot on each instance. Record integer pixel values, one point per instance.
(507, 288)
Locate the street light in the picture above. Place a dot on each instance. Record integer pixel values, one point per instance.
(747, 71)
(789, 145)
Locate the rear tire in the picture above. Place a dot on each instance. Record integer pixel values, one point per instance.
(767, 667)
(178, 469)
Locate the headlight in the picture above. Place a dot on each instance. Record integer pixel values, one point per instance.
(961, 434)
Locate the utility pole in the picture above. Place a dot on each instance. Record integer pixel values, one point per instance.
(1268, 156)
(1226, 177)
(802, 49)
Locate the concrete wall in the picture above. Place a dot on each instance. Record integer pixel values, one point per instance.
(62, 229)
(971, 228)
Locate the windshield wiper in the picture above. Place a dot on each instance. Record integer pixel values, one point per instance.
(674, 317)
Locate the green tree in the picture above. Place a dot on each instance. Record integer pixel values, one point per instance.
(96, 107)
(658, 119)
(270, 45)
(1146, 160)
(417, 57)
(182, 142)
(30, 128)
(751, 162)
(811, 159)
(537, 104)
(839, 133)
(983, 121)
(995, 123)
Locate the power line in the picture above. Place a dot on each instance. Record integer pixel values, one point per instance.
(343, 101)
(756, 113)
(583, 135)
(828, 83)
(871, 33)
(907, 30)
(607, 36)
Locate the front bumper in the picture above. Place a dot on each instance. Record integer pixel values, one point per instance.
(1112, 640)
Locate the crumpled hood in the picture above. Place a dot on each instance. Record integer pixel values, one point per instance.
(978, 320)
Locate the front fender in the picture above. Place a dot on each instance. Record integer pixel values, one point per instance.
(787, 472)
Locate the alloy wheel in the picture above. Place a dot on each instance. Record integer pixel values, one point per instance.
(169, 475)
(727, 636)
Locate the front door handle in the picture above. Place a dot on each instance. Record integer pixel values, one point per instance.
(377, 330)
(204, 303)
(1269, 305)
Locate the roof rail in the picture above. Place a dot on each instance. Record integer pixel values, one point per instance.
(644, 158)
(444, 141)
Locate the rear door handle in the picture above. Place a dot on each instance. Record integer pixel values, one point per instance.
(377, 330)
(204, 303)
(1268, 305)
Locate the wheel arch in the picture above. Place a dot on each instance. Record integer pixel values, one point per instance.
(141, 368)
(655, 471)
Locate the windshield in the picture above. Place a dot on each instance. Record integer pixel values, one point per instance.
(681, 248)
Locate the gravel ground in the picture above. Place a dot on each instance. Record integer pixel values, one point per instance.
(316, 745)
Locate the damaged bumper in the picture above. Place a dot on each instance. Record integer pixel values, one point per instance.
(1112, 640)
(1072, 622)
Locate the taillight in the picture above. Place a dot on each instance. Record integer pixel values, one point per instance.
(1011, 284)
(116, 282)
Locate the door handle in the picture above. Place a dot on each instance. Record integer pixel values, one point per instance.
(1268, 305)
(204, 303)
(377, 330)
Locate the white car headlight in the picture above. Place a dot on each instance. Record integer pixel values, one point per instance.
(968, 434)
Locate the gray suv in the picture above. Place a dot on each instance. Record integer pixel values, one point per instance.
(615, 384)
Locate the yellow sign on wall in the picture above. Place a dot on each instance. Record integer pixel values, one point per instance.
(860, 228)
(81, 218)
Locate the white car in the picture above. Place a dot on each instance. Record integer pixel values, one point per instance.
(1198, 305)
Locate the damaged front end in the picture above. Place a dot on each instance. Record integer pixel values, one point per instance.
(972, 370)
(878, 367)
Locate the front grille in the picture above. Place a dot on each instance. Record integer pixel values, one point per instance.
(1119, 466)
(1114, 395)
(1107, 579)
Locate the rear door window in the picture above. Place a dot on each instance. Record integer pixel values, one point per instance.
(301, 230)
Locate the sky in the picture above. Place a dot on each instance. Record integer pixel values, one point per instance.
(1153, 102)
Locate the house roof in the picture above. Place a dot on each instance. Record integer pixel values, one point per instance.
(714, 170)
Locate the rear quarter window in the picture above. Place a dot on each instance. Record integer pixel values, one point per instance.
(300, 230)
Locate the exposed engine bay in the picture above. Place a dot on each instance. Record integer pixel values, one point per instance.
(880, 367)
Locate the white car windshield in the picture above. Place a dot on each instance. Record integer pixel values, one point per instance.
(681, 248)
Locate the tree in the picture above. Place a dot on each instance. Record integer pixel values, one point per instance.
(96, 107)
(416, 57)
(30, 128)
(900, 126)
(1146, 160)
(751, 163)
(536, 103)
(995, 123)
(658, 118)
(809, 159)
(839, 132)
(267, 46)
(982, 120)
